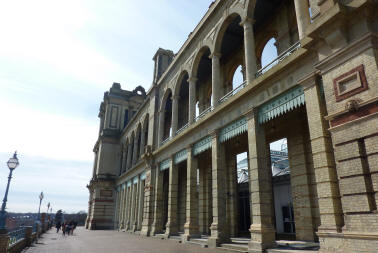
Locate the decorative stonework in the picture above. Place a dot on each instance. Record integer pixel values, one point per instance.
(350, 83)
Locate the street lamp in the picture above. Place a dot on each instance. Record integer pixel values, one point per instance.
(48, 207)
(12, 164)
(40, 201)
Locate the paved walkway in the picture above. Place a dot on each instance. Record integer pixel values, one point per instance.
(84, 241)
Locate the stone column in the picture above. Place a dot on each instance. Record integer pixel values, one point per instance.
(219, 230)
(216, 78)
(232, 194)
(192, 99)
(202, 200)
(331, 216)
(303, 16)
(175, 101)
(140, 204)
(124, 159)
(172, 225)
(128, 207)
(191, 228)
(249, 49)
(122, 209)
(260, 187)
(134, 206)
(148, 208)
(157, 227)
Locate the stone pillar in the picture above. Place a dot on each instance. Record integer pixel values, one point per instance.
(43, 221)
(172, 225)
(260, 187)
(300, 186)
(331, 216)
(303, 16)
(122, 209)
(148, 208)
(134, 207)
(157, 226)
(216, 78)
(28, 235)
(140, 204)
(219, 230)
(191, 228)
(232, 194)
(175, 101)
(192, 99)
(124, 159)
(128, 207)
(4, 241)
(249, 50)
(202, 200)
(129, 148)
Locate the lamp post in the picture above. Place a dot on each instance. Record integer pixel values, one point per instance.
(48, 207)
(40, 201)
(12, 164)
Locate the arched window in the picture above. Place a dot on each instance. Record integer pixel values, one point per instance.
(269, 53)
(238, 78)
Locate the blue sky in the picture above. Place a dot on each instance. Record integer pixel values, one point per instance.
(57, 58)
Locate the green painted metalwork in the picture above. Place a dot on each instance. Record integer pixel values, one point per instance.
(181, 156)
(129, 183)
(135, 180)
(282, 104)
(123, 186)
(202, 145)
(235, 128)
(165, 164)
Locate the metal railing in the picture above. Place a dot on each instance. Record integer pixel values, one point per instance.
(166, 140)
(34, 230)
(279, 58)
(233, 92)
(182, 128)
(16, 236)
(202, 114)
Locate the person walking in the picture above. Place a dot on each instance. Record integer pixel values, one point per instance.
(58, 225)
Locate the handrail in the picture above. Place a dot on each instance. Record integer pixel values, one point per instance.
(279, 58)
(182, 128)
(16, 236)
(233, 92)
(209, 109)
(166, 140)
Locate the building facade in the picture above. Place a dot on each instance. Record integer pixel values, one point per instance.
(165, 160)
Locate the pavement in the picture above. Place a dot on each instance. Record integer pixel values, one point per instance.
(98, 241)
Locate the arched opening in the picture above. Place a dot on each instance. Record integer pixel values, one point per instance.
(269, 54)
(238, 77)
(167, 127)
(145, 133)
(131, 150)
(183, 101)
(203, 73)
(139, 140)
(232, 54)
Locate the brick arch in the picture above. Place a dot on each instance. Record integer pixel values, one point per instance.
(179, 80)
(222, 30)
(197, 59)
(165, 97)
(261, 43)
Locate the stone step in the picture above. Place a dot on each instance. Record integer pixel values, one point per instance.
(234, 247)
(199, 241)
(290, 251)
(241, 240)
(160, 236)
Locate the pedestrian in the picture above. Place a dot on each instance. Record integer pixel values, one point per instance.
(58, 225)
(64, 228)
(68, 228)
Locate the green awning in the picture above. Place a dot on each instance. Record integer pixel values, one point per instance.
(202, 145)
(282, 104)
(181, 156)
(165, 164)
(235, 128)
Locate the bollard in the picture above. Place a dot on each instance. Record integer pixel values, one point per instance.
(43, 221)
(28, 235)
(4, 241)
